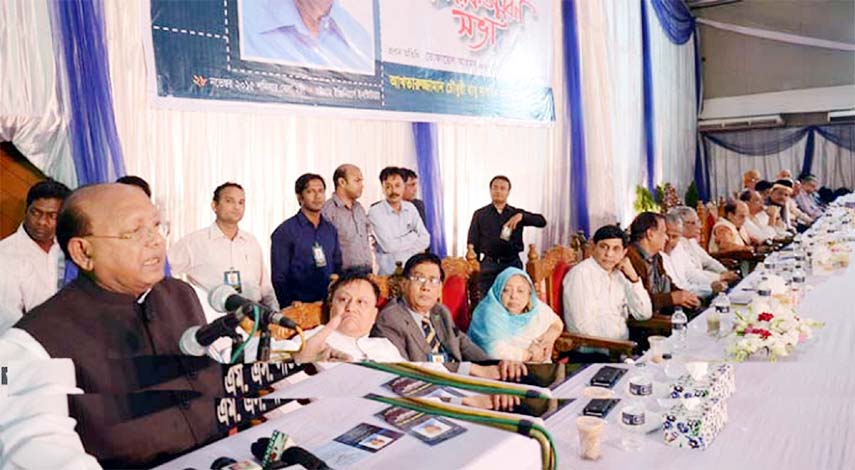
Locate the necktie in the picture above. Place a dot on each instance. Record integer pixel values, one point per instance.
(430, 336)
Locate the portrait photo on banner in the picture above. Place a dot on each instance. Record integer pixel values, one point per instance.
(335, 35)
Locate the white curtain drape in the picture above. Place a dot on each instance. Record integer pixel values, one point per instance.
(535, 159)
(727, 167)
(31, 107)
(610, 54)
(674, 107)
(834, 166)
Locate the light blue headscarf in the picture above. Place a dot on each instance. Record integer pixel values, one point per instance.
(492, 322)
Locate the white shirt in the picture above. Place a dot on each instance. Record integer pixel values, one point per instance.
(205, 255)
(28, 277)
(701, 258)
(689, 269)
(363, 348)
(762, 219)
(515, 348)
(677, 271)
(594, 301)
(35, 429)
(758, 230)
(399, 235)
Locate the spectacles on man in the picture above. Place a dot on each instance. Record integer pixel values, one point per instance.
(140, 235)
(421, 280)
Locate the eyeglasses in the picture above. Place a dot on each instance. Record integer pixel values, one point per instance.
(421, 280)
(140, 235)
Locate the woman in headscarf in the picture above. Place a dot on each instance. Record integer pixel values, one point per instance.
(511, 323)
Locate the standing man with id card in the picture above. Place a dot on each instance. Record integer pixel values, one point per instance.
(304, 250)
(223, 253)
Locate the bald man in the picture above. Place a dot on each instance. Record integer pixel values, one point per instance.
(729, 234)
(119, 322)
(349, 218)
(750, 178)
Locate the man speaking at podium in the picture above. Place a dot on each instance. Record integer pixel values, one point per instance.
(120, 323)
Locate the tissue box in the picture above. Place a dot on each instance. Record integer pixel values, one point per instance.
(696, 428)
(719, 383)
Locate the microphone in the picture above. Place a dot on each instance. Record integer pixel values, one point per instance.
(225, 299)
(289, 456)
(196, 339)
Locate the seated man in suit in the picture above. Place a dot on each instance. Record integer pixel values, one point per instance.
(648, 236)
(423, 330)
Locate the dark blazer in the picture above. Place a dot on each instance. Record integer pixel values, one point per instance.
(662, 302)
(396, 324)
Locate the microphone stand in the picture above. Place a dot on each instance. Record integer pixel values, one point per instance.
(237, 340)
(264, 341)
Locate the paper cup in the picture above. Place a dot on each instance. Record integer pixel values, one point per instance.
(590, 429)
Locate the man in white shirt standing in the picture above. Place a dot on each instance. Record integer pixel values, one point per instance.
(222, 253)
(31, 259)
(398, 228)
(600, 292)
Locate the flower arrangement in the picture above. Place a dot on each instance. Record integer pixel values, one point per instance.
(775, 333)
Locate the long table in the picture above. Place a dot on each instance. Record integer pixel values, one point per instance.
(796, 413)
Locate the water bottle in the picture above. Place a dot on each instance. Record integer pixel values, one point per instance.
(798, 285)
(721, 307)
(678, 328)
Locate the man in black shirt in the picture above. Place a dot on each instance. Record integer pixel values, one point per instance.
(497, 232)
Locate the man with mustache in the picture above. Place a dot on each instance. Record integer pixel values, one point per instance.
(31, 257)
(304, 250)
(119, 322)
(222, 253)
(398, 229)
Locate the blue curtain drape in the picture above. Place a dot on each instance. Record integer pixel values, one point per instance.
(430, 180)
(576, 119)
(842, 135)
(758, 142)
(80, 38)
(702, 177)
(647, 87)
(675, 18)
(764, 142)
(78, 30)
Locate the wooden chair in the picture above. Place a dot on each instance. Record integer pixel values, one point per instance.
(548, 273)
(306, 315)
(460, 290)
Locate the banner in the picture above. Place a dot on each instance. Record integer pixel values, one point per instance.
(475, 58)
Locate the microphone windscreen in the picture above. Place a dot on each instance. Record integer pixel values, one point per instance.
(259, 448)
(218, 296)
(299, 455)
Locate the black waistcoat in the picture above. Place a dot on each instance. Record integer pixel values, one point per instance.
(144, 402)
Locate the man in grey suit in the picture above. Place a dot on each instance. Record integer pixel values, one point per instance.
(422, 328)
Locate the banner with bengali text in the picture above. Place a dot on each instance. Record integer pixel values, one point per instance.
(405, 59)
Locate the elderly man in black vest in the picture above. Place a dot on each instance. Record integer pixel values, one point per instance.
(120, 323)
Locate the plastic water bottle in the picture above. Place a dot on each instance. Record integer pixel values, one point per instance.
(721, 307)
(678, 328)
(798, 284)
